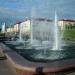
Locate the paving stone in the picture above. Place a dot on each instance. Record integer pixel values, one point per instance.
(5, 69)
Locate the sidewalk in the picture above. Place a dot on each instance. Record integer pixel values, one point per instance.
(5, 69)
(1, 53)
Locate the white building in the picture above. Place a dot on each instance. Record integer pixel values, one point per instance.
(9, 30)
(66, 24)
(16, 28)
(39, 28)
(42, 29)
(61, 24)
(25, 28)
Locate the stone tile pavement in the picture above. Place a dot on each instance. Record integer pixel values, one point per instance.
(5, 68)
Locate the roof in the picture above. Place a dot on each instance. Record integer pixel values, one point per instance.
(36, 19)
(18, 22)
(42, 19)
(68, 20)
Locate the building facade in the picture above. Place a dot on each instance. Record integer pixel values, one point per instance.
(25, 27)
(66, 24)
(10, 30)
(42, 29)
(16, 28)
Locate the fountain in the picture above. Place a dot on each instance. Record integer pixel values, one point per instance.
(33, 41)
(44, 49)
(21, 43)
(57, 40)
(37, 40)
(18, 40)
(51, 54)
(44, 45)
(3, 28)
(20, 34)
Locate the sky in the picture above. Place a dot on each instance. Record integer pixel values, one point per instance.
(17, 10)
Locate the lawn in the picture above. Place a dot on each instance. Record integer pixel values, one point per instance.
(69, 35)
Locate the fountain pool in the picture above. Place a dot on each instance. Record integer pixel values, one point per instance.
(45, 50)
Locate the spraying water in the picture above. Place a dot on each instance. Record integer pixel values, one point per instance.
(56, 34)
(31, 35)
(3, 27)
(20, 34)
(31, 25)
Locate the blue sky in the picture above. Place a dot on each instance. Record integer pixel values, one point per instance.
(13, 10)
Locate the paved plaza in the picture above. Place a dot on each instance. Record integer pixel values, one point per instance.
(5, 68)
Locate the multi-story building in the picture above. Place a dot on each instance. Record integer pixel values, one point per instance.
(13, 28)
(25, 27)
(42, 29)
(16, 28)
(10, 30)
(66, 24)
(39, 28)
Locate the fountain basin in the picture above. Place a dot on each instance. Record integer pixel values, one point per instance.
(44, 54)
(26, 67)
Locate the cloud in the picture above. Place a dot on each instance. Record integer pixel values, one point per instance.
(44, 8)
(13, 12)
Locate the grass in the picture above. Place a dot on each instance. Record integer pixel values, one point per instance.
(69, 34)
